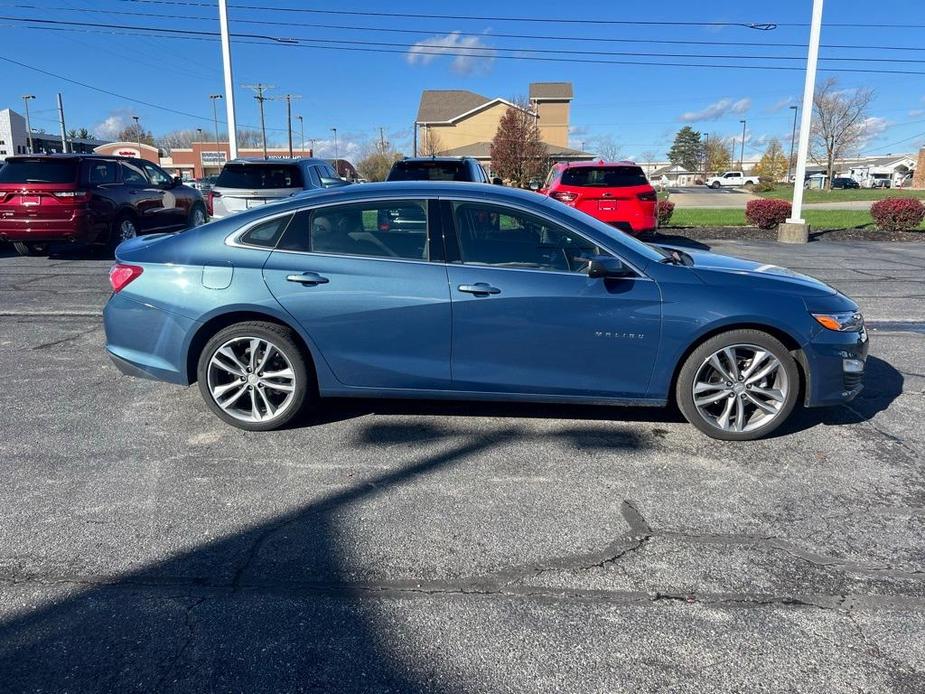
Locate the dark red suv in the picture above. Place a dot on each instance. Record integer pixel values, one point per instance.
(91, 199)
(617, 193)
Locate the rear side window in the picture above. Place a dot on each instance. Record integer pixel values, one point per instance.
(604, 176)
(38, 171)
(259, 176)
(98, 173)
(267, 233)
(428, 171)
(388, 229)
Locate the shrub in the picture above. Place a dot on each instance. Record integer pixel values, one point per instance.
(767, 214)
(663, 211)
(897, 214)
(765, 185)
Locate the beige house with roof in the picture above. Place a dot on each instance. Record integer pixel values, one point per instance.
(457, 122)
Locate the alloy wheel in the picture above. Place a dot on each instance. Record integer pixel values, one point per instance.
(251, 379)
(740, 388)
(127, 230)
(199, 217)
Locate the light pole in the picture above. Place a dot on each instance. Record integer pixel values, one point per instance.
(301, 135)
(229, 81)
(706, 154)
(137, 132)
(742, 151)
(214, 98)
(25, 101)
(199, 132)
(334, 130)
(793, 141)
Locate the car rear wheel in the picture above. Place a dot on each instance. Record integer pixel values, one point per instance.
(30, 248)
(197, 216)
(738, 386)
(253, 376)
(124, 228)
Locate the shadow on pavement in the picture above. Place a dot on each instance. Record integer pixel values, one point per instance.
(273, 607)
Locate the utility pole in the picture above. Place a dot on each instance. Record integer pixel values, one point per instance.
(25, 101)
(795, 229)
(706, 153)
(381, 140)
(137, 133)
(742, 151)
(229, 81)
(61, 120)
(793, 141)
(260, 88)
(289, 98)
(301, 136)
(213, 98)
(334, 130)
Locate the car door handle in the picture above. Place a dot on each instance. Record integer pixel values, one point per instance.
(479, 288)
(308, 278)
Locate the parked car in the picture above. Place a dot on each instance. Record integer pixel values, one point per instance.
(730, 179)
(845, 183)
(246, 183)
(464, 169)
(617, 193)
(503, 295)
(90, 199)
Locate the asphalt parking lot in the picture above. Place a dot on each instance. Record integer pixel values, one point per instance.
(387, 546)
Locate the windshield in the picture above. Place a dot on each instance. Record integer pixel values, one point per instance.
(643, 249)
(428, 171)
(259, 176)
(604, 176)
(38, 171)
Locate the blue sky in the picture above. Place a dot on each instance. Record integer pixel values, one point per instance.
(639, 107)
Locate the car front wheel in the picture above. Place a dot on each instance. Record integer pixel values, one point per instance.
(738, 386)
(253, 375)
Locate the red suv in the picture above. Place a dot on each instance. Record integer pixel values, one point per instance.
(617, 193)
(89, 198)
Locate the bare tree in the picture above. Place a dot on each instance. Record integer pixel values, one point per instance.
(838, 123)
(377, 160)
(430, 144)
(249, 138)
(177, 139)
(650, 157)
(518, 155)
(608, 149)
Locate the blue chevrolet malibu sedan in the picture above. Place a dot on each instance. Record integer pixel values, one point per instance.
(478, 292)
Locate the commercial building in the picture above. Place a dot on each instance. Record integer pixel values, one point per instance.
(13, 138)
(457, 122)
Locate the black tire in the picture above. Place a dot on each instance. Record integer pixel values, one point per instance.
(117, 235)
(684, 389)
(191, 223)
(280, 337)
(30, 249)
(715, 185)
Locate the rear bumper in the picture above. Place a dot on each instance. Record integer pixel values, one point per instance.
(634, 220)
(834, 363)
(81, 227)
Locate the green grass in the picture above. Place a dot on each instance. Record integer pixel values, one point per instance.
(785, 192)
(725, 217)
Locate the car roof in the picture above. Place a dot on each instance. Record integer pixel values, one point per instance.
(447, 159)
(412, 189)
(599, 162)
(274, 162)
(69, 155)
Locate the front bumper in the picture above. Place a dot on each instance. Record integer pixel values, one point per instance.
(834, 363)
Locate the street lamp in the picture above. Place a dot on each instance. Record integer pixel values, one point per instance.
(25, 101)
(334, 130)
(742, 151)
(214, 99)
(301, 135)
(793, 140)
(137, 132)
(199, 131)
(706, 153)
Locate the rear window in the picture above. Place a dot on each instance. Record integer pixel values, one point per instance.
(604, 176)
(259, 176)
(428, 171)
(38, 171)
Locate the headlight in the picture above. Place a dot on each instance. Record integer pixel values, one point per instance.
(844, 322)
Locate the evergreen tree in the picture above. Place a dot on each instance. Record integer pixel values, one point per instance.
(687, 149)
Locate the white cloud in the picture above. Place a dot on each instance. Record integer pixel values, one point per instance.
(347, 148)
(110, 127)
(717, 110)
(781, 104)
(873, 127)
(470, 54)
(916, 112)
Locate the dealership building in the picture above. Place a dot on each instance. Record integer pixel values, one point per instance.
(203, 159)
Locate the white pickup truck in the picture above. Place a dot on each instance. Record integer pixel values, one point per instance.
(730, 178)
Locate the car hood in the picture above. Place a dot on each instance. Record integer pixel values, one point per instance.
(728, 270)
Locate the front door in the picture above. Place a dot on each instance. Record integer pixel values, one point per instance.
(528, 319)
(375, 302)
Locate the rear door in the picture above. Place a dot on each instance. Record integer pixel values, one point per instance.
(175, 200)
(375, 302)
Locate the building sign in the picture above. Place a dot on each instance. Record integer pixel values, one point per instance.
(127, 152)
(213, 158)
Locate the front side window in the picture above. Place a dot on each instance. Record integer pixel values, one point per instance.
(387, 229)
(132, 175)
(503, 237)
(157, 176)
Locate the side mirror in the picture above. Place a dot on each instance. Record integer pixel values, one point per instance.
(534, 185)
(607, 267)
(327, 182)
(497, 181)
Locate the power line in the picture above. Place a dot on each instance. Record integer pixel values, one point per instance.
(418, 32)
(435, 49)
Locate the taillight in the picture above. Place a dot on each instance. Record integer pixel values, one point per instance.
(564, 196)
(212, 195)
(76, 195)
(121, 274)
(649, 196)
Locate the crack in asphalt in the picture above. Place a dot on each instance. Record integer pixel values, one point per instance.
(65, 340)
(190, 634)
